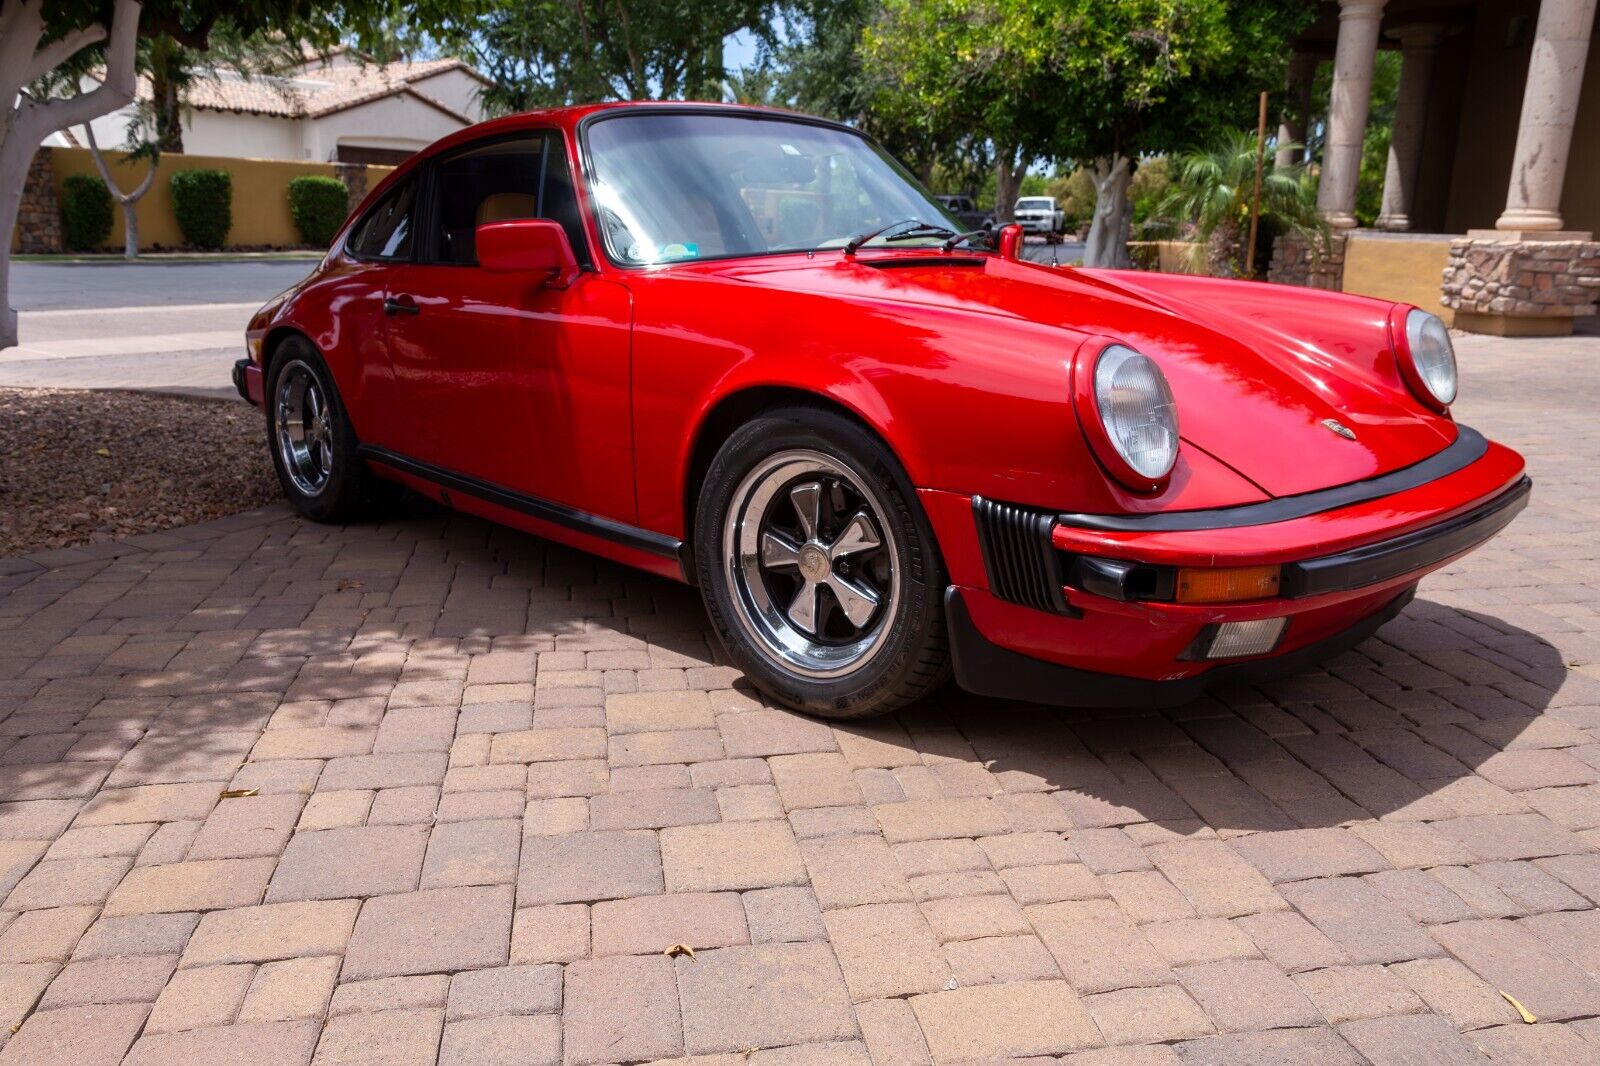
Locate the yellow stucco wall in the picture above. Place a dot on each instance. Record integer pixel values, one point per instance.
(260, 195)
(1404, 269)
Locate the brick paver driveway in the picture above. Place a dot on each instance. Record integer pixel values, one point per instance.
(422, 789)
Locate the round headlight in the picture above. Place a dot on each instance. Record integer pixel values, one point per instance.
(1433, 357)
(1136, 409)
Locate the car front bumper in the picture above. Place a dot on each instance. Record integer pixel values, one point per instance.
(1022, 592)
(247, 381)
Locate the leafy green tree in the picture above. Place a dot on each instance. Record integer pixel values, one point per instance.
(547, 52)
(1213, 187)
(1081, 79)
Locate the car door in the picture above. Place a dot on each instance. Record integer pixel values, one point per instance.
(506, 380)
(381, 241)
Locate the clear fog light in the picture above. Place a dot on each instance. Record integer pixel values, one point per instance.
(1233, 640)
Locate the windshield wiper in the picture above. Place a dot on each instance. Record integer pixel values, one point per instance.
(918, 228)
(970, 235)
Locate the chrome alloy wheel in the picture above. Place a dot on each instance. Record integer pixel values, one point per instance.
(304, 428)
(810, 564)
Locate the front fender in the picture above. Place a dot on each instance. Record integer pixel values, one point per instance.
(969, 403)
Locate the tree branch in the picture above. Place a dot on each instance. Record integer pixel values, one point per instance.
(39, 118)
(52, 55)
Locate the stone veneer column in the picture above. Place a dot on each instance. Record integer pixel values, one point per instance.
(1418, 47)
(1295, 112)
(1549, 110)
(1347, 110)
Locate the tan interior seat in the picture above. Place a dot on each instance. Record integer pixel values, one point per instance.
(500, 206)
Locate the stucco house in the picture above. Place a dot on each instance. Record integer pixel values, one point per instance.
(334, 108)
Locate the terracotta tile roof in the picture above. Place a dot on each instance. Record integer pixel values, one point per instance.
(320, 90)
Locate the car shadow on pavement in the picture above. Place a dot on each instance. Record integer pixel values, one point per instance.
(1439, 716)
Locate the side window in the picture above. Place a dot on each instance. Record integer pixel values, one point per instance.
(517, 177)
(387, 231)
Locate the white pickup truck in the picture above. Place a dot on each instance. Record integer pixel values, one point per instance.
(1039, 214)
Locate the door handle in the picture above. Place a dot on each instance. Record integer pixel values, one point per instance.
(401, 305)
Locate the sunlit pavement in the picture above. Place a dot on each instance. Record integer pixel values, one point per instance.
(425, 788)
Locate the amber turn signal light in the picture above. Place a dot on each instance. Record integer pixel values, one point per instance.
(1227, 585)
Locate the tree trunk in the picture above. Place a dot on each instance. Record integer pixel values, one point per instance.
(1223, 250)
(129, 201)
(1107, 244)
(24, 122)
(15, 159)
(169, 114)
(1009, 172)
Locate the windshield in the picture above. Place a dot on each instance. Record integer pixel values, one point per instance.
(677, 187)
(1035, 203)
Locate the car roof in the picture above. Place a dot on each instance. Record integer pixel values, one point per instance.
(569, 117)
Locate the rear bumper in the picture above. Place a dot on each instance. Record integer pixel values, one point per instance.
(247, 380)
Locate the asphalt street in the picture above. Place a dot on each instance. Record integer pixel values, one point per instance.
(68, 286)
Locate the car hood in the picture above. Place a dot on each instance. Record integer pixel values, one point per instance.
(1253, 390)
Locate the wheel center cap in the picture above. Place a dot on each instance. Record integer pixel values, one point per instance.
(814, 562)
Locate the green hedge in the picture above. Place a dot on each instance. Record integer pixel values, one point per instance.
(86, 212)
(318, 205)
(203, 202)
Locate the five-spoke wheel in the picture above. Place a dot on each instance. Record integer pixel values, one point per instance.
(811, 560)
(817, 565)
(313, 444)
(305, 437)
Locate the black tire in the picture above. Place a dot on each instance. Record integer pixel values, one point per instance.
(344, 491)
(910, 655)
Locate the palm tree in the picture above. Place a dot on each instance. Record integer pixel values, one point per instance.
(1212, 188)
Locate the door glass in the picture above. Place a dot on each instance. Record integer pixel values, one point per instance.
(519, 177)
(386, 230)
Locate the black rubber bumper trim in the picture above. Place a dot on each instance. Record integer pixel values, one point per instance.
(986, 669)
(558, 514)
(1468, 448)
(1373, 563)
(239, 367)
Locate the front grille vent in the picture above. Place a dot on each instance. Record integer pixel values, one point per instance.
(1017, 553)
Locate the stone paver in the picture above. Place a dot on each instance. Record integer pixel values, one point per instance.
(476, 784)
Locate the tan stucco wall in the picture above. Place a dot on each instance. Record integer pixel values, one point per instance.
(1405, 269)
(260, 195)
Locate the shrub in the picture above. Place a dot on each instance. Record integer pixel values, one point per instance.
(318, 205)
(86, 212)
(203, 202)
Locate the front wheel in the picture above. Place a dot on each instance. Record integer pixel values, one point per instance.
(818, 568)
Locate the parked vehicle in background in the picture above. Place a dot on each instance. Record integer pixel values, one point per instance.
(966, 211)
(1039, 214)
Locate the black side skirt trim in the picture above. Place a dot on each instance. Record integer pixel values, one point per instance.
(1468, 448)
(545, 510)
(986, 669)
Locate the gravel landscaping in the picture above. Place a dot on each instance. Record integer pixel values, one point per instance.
(81, 467)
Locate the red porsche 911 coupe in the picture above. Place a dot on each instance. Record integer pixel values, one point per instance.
(745, 349)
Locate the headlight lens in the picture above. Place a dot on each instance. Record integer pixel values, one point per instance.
(1136, 408)
(1432, 354)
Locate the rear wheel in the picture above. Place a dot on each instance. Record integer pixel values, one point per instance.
(818, 568)
(313, 445)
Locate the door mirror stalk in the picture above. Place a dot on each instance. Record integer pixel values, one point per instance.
(527, 245)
